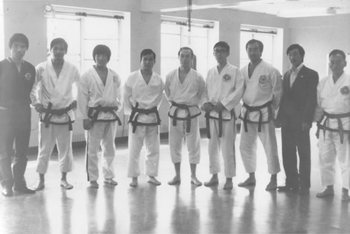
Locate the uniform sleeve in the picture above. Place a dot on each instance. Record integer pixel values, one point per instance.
(167, 87)
(201, 87)
(235, 96)
(119, 93)
(83, 97)
(277, 88)
(76, 84)
(127, 95)
(160, 97)
(204, 96)
(34, 94)
(318, 110)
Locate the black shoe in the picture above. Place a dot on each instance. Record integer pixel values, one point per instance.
(24, 189)
(7, 192)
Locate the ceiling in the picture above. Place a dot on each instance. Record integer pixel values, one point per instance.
(280, 8)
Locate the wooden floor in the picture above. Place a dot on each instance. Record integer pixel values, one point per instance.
(171, 209)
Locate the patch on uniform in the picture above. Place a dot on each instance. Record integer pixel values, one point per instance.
(262, 79)
(345, 90)
(226, 77)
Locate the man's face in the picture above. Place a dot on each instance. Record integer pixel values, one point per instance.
(185, 58)
(337, 63)
(254, 52)
(295, 57)
(221, 54)
(101, 60)
(18, 50)
(58, 51)
(147, 62)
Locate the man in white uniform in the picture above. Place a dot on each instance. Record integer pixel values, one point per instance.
(224, 90)
(333, 116)
(261, 99)
(98, 101)
(52, 96)
(184, 88)
(143, 93)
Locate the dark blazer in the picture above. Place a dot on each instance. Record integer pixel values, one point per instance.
(298, 102)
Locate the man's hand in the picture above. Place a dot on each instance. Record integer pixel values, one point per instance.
(87, 124)
(305, 126)
(207, 107)
(219, 107)
(39, 107)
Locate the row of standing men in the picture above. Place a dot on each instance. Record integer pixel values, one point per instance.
(268, 102)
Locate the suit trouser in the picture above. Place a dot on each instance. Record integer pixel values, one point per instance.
(248, 146)
(15, 127)
(331, 148)
(192, 139)
(101, 133)
(48, 137)
(295, 140)
(225, 144)
(149, 136)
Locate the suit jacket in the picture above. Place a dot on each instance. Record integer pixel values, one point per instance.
(299, 101)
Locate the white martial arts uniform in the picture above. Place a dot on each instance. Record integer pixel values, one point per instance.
(92, 94)
(225, 87)
(184, 99)
(334, 98)
(137, 93)
(264, 85)
(55, 93)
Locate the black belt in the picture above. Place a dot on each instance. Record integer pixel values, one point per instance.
(93, 113)
(323, 126)
(49, 112)
(187, 118)
(135, 112)
(256, 108)
(219, 118)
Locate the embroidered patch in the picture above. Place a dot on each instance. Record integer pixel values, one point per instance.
(28, 76)
(345, 90)
(226, 77)
(262, 79)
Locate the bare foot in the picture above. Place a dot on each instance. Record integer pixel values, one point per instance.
(213, 181)
(94, 184)
(176, 180)
(111, 182)
(66, 185)
(134, 182)
(228, 185)
(195, 181)
(248, 182)
(326, 193)
(271, 186)
(153, 180)
(40, 186)
(345, 195)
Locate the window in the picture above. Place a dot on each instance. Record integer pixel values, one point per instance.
(272, 40)
(201, 39)
(83, 29)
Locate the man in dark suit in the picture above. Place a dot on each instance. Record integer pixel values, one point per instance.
(295, 117)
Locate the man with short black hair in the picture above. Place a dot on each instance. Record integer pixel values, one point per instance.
(261, 99)
(99, 99)
(333, 116)
(54, 100)
(143, 93)
(16, 80)
(221, 102)
(295, 116)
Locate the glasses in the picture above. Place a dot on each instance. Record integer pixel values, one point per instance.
(220, 51)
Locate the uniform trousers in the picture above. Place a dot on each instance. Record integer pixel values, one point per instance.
(248, 146)
(225, 144)
(330, 148)
(15, 127)
(48, 137)
(148, 136)
(177, 134)
(101, 134)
